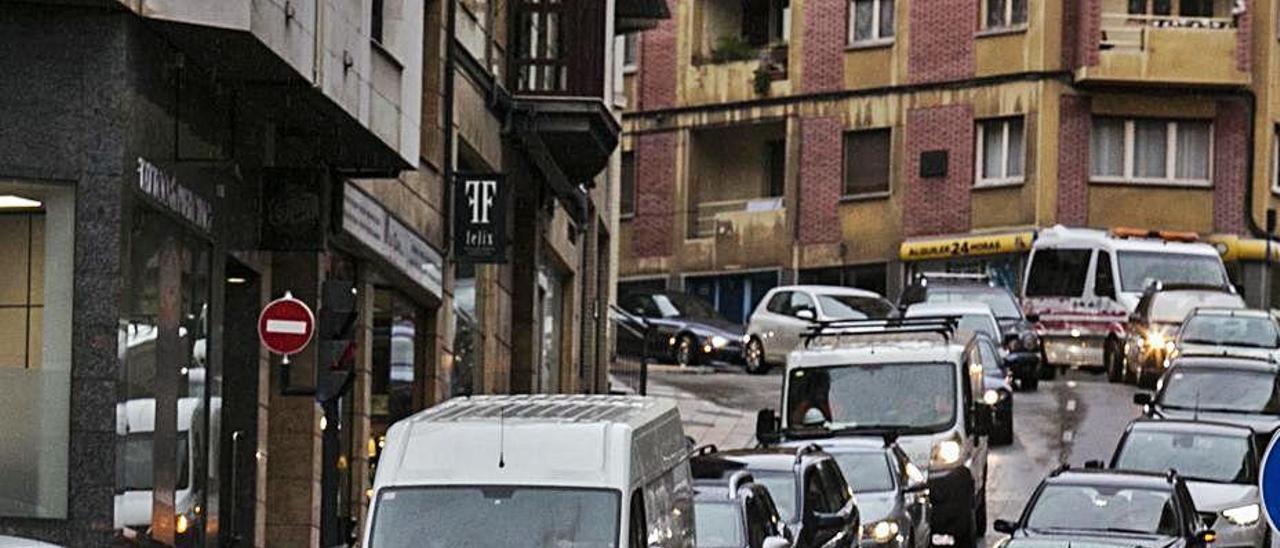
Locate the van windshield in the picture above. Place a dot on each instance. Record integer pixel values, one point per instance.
(918, 397)
(482, 516)
(1138, 269)
(1058, 272)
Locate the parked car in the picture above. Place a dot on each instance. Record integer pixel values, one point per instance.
(1153, 327)
(1229, 331)
(1093, 507)
(1240, 391)
(1219, 463)
(812, 495)
(555, 470)
(738, 513)
(908, 377)
(682, 329)
(1022, 349)
(892, 492)
(19, 542)
(785, 313)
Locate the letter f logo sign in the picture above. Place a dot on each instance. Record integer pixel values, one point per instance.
(480, 199)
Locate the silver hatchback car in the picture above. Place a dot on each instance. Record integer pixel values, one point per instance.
(786, 312)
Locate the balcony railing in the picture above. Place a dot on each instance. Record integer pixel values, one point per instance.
(710, 215)
(1131, 31)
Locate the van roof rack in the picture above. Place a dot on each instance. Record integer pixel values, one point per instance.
(807, 450)
(942, 326)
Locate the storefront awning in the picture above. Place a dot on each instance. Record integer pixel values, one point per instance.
(1234, 248)
(970, 245)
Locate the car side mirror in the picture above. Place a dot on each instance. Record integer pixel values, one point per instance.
(767, 427)
(1033, 318)
(1094, 464)
(1004, 526)
(1206, 537)
(1143, 398)
(806, 314)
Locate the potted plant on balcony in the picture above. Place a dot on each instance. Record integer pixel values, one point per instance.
(732, 48)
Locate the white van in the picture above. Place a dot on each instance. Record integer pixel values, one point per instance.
(1081, 285)
(135, 429)
(542, 471)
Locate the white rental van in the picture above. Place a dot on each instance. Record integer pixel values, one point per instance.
(1081, 285)
(541, 471)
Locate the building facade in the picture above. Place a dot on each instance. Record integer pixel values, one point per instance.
(169, 169)
(857, 141)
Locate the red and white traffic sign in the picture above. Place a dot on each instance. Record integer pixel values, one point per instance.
(286, 325)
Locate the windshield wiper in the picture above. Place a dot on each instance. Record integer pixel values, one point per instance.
(1128, 531)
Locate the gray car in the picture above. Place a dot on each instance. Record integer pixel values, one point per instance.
(1247, 333)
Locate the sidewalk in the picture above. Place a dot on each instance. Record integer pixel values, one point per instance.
(704, 421)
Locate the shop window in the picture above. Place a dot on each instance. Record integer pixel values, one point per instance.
(871, 277)
(627, 200)
(870, 21)
(1151, 151)
(867, 156)
(1001, 152)
(998, 14)
(36, 241)
(466, 330)
(734, 296)
(1165, 8)
(395, 358)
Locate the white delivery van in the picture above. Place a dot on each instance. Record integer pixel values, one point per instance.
(541, 471)
(1081, 285)
(135, 428)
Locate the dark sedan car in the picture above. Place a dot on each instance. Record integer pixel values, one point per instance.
(1022, 350)
(1108, 508)
(681, 328)
(812, 495)
(1240, 391)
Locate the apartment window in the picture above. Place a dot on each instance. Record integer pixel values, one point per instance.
(776, 155)
(870, 21)
(1004, 13)
(1001, 151)
(866, 162)
(1151, 151)
(375, 22)
(627, 202)
(540, 56)
(1184, 8)
(630, 47)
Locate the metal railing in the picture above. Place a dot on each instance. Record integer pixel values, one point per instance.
(706, 222)
(1123, 30)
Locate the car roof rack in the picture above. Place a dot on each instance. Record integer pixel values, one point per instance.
(941, 326)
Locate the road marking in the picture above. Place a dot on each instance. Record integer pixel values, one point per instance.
(1071, 384)
(287, 326)
(1067, 436)
(1071, 405)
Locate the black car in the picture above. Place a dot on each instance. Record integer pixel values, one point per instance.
(1023, 354)
(1230, 390)
(812, 495)
(681, 328)
(1094, 507)
(738, 513)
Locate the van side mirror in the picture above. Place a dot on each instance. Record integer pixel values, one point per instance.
(767, 427)
(1004, 526)
(1033, 317)
(1142, 398)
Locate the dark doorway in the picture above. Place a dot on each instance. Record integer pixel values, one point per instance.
(239, 432)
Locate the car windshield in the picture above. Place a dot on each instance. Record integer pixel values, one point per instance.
(782, 487)
(1173, 306)
(1195, 456)
(675, 305)
(913, 396)
(855, 307)
(718, 524)
(482, 516)
(1099, 508)
(866, 472)
(1058, 272)
(970, 324)
(1001, 302)
(1223, 330)
(1138, 269)
(134, 457)
(1224, 390)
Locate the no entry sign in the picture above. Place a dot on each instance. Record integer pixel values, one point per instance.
(286, 325)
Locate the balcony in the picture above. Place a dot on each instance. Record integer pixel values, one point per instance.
(1166, 49)
(740, 50)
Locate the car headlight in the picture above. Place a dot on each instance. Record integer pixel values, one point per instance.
(1155, 340)
(946, 453)
(719, 342)
(1243, 515)
(991, 397)
(881, 531)
(182, 524)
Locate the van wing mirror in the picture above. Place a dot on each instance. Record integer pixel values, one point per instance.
(1033, 317)
(767, 427)
(1142, 398)
(1004, 526)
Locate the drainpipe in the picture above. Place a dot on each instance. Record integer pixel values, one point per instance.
(1251, 101)
(450, 29)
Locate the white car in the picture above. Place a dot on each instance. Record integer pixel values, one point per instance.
(785, 313)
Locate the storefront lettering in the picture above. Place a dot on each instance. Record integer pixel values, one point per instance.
(480, 234)
(963, 247)
(165, 189)
(368, 221)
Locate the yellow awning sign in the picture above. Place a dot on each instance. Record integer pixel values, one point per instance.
(966, 246)
(1234, 248)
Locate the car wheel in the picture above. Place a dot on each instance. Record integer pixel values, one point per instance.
(1004, 436)
(1115, 363)
(686, 351)
(1147, 376)
(1127, 373)
(754, 357)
